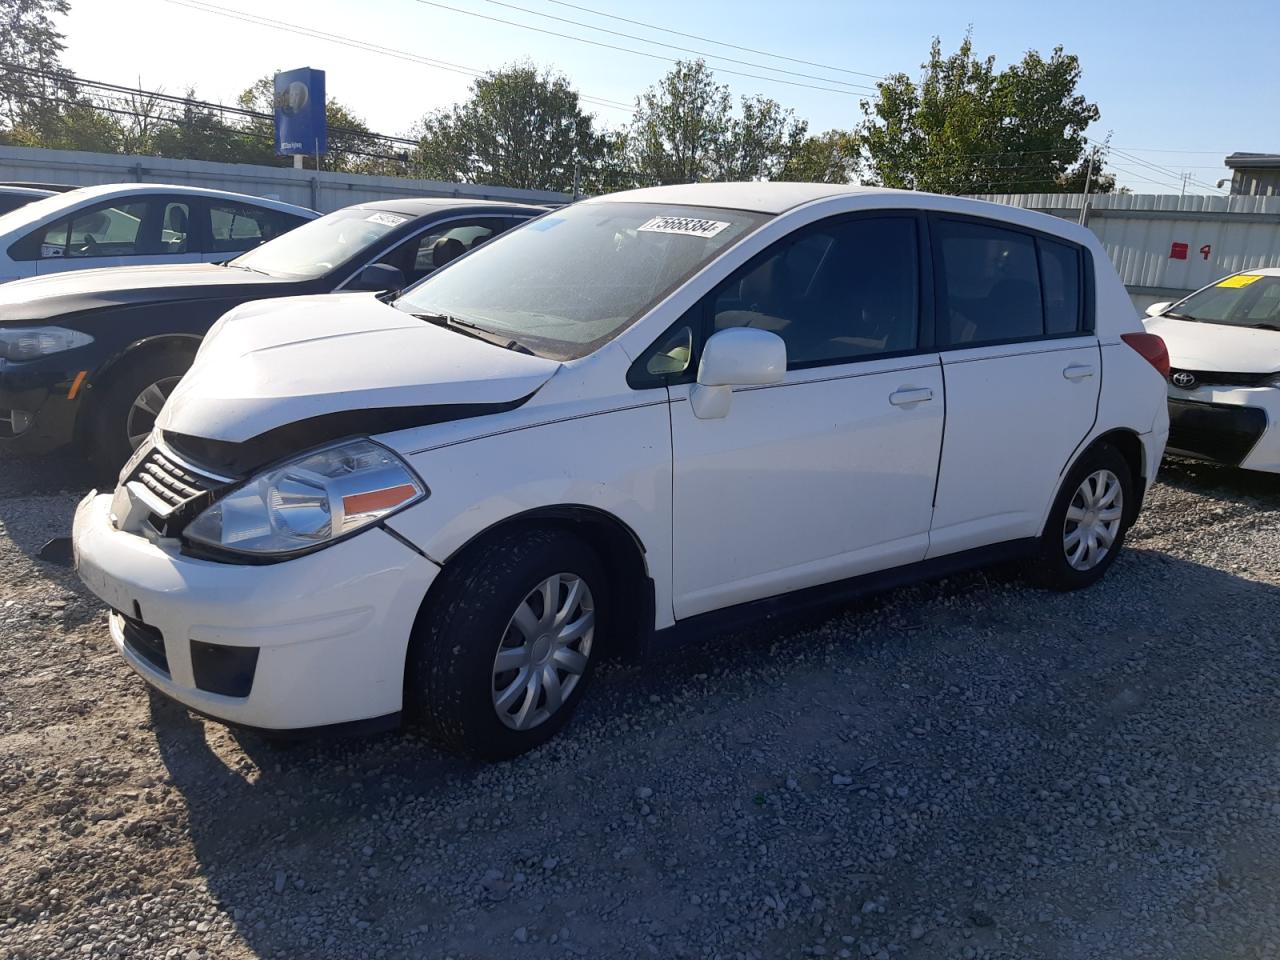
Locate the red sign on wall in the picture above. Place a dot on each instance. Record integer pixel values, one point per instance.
(1178, 251)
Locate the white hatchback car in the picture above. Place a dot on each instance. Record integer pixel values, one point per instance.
(632, 419)
(122, 224)
(1224, 386)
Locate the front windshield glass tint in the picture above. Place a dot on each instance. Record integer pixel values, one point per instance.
(572, 280)
(315, 248)
(1245, 300)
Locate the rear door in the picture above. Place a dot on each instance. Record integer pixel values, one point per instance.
(1022, 368)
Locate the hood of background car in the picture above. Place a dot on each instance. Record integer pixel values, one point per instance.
(341, 362)
(1218, 346)
(76, 291)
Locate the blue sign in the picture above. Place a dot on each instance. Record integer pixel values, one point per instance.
(299, 108)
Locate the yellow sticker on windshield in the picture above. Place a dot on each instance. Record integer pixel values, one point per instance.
(1239, 280)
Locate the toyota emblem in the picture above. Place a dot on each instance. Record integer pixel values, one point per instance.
(1184, 379)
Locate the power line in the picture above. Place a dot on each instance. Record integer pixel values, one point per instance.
(639, 53)
(258, 20)
(671, 46)
(719, 43)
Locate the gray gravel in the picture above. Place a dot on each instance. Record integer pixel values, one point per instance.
(966, 769)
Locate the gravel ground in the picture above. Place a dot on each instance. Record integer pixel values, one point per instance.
(971, 768)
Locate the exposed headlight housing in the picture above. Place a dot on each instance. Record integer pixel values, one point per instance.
(28, 343)
(315, 499)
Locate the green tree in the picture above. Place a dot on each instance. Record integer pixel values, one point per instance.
(966, 128)
(831, 157)
(517, 128)
(680, 127)
(32, 78)
(685, 129)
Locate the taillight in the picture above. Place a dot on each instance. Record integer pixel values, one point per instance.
(1152, 349)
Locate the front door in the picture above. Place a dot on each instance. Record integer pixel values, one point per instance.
(830, 473)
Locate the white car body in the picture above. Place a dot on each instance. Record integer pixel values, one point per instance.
(732, 496)
(1224, 387)
(22, 253)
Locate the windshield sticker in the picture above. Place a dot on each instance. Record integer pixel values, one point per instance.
(386, 219)
(546, 223)
(685, 226)
(1239, 280)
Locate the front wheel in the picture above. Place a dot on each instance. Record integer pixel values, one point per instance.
(1088, 522)
(127, 408)
(505, 649)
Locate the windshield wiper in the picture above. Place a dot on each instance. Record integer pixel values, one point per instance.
(1180, 316)
(1264, 326)
(469, 329)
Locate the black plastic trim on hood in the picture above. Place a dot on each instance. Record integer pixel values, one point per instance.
(239, 459)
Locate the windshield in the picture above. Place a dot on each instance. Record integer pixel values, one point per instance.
(567, 283)
(1245, 300)
(315, 248)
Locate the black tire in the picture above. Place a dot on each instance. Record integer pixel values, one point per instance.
(1052, 568)
(107, 440)
(450, 678)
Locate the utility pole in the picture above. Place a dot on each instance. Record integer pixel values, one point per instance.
(1088, 177)
(1183, 192)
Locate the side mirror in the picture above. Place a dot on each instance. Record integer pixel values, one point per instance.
(1156, 309)
(736, 357)
(379, 277)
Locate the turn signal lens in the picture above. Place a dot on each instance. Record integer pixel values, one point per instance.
(1152, 349)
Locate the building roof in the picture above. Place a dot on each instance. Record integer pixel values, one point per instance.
(1253, 161)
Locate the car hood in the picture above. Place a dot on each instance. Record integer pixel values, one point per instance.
(1218, 346)
(76, 291)
(341, 363)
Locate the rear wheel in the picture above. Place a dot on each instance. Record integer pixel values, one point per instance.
(128, 406)
(1088, 522)
(503, 654)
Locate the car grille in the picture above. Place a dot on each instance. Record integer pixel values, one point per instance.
(174, 483)
(1219, 378)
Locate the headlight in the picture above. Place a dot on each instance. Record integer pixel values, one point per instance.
(315, 499)
(27, 343)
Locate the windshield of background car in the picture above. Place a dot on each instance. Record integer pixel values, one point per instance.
(315, 248)
(569, 282)
(1245, 300)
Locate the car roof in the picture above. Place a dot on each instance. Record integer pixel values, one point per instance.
(759, 196)
(33, 192)
(106, 191)
(422, 206)
(780, 198)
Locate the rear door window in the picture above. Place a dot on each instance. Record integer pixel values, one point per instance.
(1060, 275)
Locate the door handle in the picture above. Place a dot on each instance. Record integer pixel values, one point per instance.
(910, 395)
(1078, 371)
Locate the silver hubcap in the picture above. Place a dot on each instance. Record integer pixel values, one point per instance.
(1093, 520)
(544, 651)
(145, 409)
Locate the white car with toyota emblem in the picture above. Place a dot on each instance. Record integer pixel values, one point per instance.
(1224, 382)
(631, 421)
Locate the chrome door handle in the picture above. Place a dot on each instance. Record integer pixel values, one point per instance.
(1078, 371)
(910, 395)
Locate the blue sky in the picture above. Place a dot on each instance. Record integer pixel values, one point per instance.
(1180, 84)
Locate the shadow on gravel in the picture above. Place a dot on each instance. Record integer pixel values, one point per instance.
(1218, 481)
(38, 498)
(1047, 764)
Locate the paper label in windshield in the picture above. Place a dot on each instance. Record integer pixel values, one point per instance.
(1240, 280)
(685, 226)
(386, 219)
